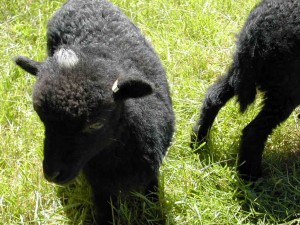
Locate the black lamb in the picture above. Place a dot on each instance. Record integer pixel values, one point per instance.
(267, 58)
(103, 97)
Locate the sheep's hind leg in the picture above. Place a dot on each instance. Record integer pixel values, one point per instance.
(256, 133)
(216, 97)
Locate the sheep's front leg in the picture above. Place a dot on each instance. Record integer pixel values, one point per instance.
(152, 193)
(152, 190)
(216, 97)
(104, 212)
(255, 135)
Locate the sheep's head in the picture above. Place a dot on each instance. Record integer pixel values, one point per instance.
(79, 100)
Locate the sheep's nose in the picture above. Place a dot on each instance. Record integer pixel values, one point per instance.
(51, 172)
(52, 176)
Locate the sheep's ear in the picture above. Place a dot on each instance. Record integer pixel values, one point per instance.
(28, 65)
(124, 88)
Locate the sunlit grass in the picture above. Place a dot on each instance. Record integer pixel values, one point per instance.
(195, 40)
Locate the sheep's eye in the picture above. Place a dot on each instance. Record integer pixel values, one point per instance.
(93, 127)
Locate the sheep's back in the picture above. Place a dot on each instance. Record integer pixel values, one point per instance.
(268, 47)
(91, 22)
(101, 25)
(272, 30)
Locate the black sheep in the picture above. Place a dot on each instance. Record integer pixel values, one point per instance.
(268, 59)
(104, 99)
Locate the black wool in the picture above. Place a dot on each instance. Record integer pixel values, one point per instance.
(104, 99)
(268, 59)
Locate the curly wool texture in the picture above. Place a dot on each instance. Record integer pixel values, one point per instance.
(118, 138)
(271, 30)
(267, 51)
(267, 58)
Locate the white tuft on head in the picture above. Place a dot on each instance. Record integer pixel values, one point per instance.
(66, 58)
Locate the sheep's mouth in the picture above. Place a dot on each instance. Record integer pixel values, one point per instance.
(60, 177)
(60, 180)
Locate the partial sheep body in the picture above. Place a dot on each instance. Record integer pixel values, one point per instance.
(267, 58)
(104, 99)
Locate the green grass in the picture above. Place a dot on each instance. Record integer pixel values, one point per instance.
(195, 40)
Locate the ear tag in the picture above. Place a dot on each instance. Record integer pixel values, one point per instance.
(115, 87)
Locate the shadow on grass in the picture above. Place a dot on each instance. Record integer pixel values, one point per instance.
(274, 198)
(76, 199)
(277, 193)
